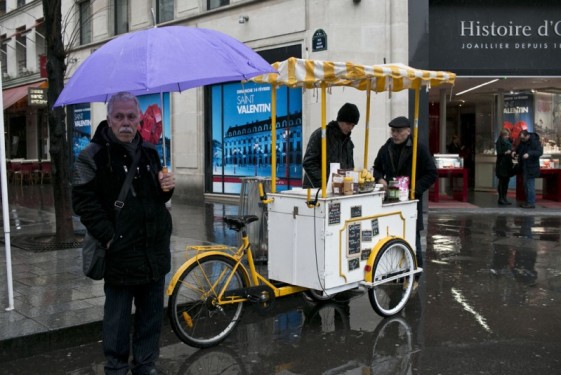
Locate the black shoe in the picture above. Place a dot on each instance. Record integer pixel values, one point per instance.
(526, 205)
(507, 202)
(501, 203)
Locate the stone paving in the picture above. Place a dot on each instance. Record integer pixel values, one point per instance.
(56, 305)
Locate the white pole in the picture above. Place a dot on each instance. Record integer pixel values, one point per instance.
(5, 207)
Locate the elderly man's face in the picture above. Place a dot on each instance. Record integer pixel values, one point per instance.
(124, 120)
(399, 135)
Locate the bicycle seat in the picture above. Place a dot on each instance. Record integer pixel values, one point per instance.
(238, 222)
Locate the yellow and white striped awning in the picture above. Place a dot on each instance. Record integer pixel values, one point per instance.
(295, 72)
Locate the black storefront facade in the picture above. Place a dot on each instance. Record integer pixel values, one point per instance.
(492, 44)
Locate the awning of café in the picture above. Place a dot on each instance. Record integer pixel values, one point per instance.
(13, 95)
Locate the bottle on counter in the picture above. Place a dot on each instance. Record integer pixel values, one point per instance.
(393, 191)
(348, 185)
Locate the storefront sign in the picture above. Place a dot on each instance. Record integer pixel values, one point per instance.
(512, 37)
(36, 97)
(319, 41)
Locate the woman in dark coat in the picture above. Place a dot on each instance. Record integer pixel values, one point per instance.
(503, 166)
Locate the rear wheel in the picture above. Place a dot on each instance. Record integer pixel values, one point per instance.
(318, 295)
(195, 315)
(391, 293)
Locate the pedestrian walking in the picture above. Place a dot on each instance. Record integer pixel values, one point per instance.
(503, 165)
(528, 152)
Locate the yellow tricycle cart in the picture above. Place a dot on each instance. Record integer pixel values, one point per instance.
(319, 243)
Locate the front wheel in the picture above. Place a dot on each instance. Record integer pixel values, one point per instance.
(195, 314)
(395, 258)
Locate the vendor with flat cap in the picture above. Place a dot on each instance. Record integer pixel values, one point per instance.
(395, 158)
(339, 146)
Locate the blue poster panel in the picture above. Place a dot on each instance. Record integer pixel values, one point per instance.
(518, 114)
(156, 124)
(242, 138)
(82, 128)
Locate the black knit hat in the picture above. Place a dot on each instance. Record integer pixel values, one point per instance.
(348, 113)
(400, 122)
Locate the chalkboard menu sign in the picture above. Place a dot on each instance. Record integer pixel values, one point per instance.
(356, 211)
(365, 254)
(354, 264)
(375, 229)
(334, 213)
(366, 235)
(353, 237)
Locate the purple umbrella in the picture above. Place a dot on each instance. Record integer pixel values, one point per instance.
(163, 59)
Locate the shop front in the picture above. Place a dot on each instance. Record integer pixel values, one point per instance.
(25, 122)
(506, 55)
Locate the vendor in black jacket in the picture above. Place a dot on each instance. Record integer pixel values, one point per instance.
(339, 146)
(395, 159)
(138, 245)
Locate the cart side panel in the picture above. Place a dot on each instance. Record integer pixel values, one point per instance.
(292, 258)
(349, 244)
(327, 247)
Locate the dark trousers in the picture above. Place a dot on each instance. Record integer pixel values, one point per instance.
(149, 309)
(502, 188)
(419, 246)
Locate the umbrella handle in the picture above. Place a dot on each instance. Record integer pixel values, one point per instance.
(165, 171)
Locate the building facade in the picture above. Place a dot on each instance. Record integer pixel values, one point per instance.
(22, 51)
(205, 143)
(359, 31)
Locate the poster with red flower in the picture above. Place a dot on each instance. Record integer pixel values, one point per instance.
(518, 114)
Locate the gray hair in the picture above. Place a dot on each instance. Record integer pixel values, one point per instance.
(121, 96)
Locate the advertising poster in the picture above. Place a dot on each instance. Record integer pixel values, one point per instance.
(82, 128)
(518, 114)
(543, 124)
(242, 140)
(556, 118)
(156, 123)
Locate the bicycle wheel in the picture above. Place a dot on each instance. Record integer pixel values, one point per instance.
(317, 295)
(395, 258)
(196, 317)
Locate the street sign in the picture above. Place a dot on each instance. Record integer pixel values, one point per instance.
(319, 41)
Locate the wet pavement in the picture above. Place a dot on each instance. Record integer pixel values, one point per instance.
(489, 302)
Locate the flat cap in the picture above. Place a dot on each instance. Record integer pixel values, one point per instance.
(400, 122)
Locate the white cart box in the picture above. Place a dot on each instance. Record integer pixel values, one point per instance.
(326, 247)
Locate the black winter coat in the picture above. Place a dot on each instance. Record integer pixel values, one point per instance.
(386, 168)
(503, 164)
(140, 247)
(530, 167)
(339, 150)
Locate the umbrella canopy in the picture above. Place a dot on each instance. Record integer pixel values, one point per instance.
(164, 59)
(295, 72)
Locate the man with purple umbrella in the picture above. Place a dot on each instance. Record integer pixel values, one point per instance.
(136, 236)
